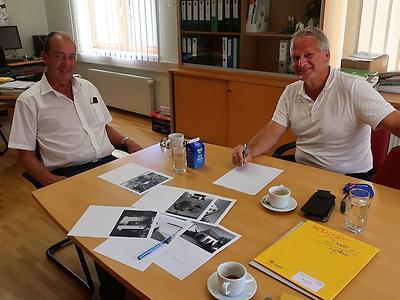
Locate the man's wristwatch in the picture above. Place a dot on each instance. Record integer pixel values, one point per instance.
(124, 139)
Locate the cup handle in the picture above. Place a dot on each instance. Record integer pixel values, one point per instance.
(225, 286)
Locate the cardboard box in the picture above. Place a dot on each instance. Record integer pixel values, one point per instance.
(160, 123)
(378, 64)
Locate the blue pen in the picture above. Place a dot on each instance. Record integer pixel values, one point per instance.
(150, 250)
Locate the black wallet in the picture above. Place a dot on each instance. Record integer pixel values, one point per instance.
(320, 205)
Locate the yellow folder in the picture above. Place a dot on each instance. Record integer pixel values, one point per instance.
(315, 259)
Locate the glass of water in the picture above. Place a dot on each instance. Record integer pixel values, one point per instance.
(179, 157)
(357, 210)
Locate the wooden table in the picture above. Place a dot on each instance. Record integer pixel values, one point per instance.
(66, 201)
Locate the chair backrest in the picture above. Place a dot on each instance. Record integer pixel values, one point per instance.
(379, 146)
(388, 173)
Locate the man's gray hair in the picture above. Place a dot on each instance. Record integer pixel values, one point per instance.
(315, 32)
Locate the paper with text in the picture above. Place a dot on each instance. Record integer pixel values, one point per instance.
(250, 178)
(194, 247)
(126, 250)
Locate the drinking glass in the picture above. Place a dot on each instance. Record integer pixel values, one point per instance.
(357, 210)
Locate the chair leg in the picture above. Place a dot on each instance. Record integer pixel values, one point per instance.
(5, 143)
(88, 283)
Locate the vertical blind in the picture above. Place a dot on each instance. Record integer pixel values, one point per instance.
(124, 29)
(380, 29)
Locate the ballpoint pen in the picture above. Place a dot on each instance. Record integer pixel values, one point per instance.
(152, 249)
(244, 153)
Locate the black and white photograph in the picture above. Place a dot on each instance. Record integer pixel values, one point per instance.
(144, 182)
(217, 211)
(190, 205)
(166, 227)
(208, 237)
(134, 223)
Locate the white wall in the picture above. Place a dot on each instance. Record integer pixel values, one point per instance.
(30, 17)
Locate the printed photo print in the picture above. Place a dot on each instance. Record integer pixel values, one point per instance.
(208, 237)
(134, 223)
(144, 182)
(167, 227)
(190, 205)
(216, 211)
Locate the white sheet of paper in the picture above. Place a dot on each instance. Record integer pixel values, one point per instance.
(162, 197)
(99, 221)
(126, 250)
(135, 178)
(186, 253)
(249, 179)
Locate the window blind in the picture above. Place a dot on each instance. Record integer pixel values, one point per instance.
(123, 29)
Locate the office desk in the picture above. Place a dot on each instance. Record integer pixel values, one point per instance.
(67, 200)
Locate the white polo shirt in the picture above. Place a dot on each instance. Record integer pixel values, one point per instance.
(333, 132)
(68, 133)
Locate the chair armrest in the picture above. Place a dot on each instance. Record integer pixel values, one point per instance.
(283, 148)
(32, 180)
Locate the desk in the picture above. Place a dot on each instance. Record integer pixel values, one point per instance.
(67, 200)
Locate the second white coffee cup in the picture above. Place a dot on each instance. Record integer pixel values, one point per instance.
(232, 278)
(279, 196)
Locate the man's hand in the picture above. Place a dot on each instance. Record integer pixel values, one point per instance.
(132, 146)
(241, 155)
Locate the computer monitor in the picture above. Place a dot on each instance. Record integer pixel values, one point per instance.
(9, 38)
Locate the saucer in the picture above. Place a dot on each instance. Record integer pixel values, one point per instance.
(292, 205)
(248, 292)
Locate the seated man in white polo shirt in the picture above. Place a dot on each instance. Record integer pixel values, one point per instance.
(330, 112)
(66, 120)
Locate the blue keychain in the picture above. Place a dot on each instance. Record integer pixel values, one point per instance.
(349, 186)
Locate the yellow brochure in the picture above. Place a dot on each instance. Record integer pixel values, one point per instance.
(315, 259)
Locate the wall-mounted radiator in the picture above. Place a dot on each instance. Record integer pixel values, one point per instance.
(128, 92)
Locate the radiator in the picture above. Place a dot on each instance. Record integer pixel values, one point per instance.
(128, 92)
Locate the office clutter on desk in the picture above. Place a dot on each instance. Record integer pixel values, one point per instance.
(16, 85)
(389, 82)
(366, 61)
(315, 260)
(186, 223)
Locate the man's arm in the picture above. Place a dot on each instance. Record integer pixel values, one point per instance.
(260, 143)
(392, 123)
(35, 168)
(117, 138)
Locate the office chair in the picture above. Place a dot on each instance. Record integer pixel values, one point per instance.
(388, 173)
(86, 282)
(379, 146)
(121, 150)
(4, 106)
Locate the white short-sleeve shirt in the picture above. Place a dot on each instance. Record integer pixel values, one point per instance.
(68, 133)
(334, 131)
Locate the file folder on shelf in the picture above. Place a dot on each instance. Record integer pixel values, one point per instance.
(227, 16)
(189, 20)
(207, 16)
(183, 15)
(229, 57)
(220, 15)
(202, 22)
(235, 53)
(195, 14)
(236, 15)
(224, 52)
(214, 12)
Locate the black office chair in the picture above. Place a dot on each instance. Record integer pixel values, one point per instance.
(86, 282)
(4, 106)
(379, 146)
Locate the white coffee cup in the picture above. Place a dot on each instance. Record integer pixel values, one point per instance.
(176, 137)
(279, 196)
(232, 278)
